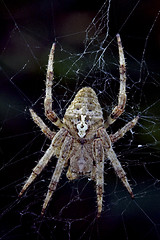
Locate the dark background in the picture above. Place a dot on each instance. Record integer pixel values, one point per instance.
(28, 29)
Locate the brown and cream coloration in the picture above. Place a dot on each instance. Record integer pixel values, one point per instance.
(82, 142)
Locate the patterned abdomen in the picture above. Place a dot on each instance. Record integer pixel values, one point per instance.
(84, 113)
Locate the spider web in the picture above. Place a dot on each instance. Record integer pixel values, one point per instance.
(86, 55)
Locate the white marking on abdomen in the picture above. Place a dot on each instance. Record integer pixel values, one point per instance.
(82, 127)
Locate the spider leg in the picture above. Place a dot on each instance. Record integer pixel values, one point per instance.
(50, 134)
(119, 170)
(38, 168)
(50, 114)
(99, 170)
(57, 140)
(120, 133)
(63, 158)
(110, 154)
(119, 109)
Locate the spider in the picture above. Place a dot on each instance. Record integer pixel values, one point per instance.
(82, 141)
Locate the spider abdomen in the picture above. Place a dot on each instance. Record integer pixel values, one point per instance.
(84, 115)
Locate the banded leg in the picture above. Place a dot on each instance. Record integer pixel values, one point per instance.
(110, 154)
(119, 170)
(63, 158)
(50, 134)
(120, 133)
(38, 168)
(99, 177)
(119, 109)
(56, 142)
(50, 114)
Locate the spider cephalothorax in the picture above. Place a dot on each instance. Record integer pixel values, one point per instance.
(82, 141)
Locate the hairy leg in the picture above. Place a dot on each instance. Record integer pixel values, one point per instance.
(110, 154)
(99, 172)
(38, 168)
(63, 158)
(57, 140)
(50, 134)
(119, 170)
(120, 133)
(119, 109)
(50, 114)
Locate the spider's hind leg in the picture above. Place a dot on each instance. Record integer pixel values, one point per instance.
(38, 168)
(52, 150)
(63, 158)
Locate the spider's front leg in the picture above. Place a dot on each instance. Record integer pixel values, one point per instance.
(63, 158)
(98, 153)
(119, 109)
(50, 114)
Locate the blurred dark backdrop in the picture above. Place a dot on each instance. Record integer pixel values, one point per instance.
(28, 29)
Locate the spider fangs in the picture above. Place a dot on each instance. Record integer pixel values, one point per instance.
(82, 141)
